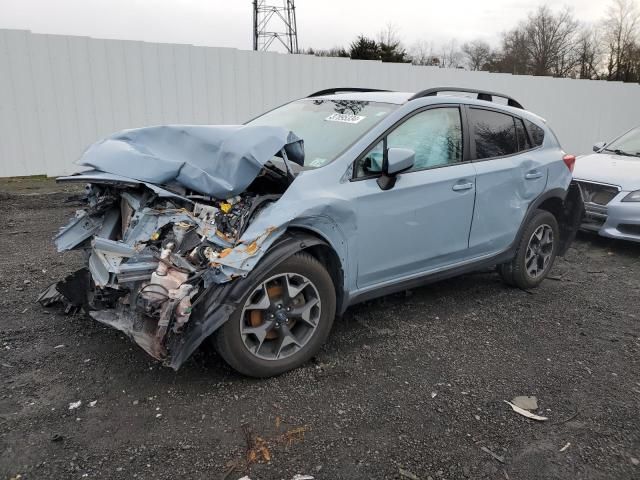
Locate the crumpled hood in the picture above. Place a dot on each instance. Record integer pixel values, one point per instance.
(216, 160)
(609, 168)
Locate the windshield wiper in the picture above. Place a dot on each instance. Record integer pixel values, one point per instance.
(617, 151)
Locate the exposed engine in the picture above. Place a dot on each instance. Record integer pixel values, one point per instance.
(150, 256)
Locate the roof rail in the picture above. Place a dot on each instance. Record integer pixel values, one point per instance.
(482, 95)
(331, 91)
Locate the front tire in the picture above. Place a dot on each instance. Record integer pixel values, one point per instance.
(535, 254)
(282, 321)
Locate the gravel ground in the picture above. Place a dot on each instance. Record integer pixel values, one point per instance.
(408, 386)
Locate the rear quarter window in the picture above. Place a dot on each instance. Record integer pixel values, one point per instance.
(535, 133)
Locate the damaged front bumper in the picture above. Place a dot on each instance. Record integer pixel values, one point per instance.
(155, 260)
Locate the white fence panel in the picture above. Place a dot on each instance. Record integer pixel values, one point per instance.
(58, 94)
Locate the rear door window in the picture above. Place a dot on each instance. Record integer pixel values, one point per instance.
(494, 133)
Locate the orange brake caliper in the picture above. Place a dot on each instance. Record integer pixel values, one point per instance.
(256, 317)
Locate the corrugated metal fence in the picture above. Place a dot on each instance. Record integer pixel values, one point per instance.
(58, 94)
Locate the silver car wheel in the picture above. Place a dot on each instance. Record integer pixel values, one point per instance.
(539, 251)
(280, 316)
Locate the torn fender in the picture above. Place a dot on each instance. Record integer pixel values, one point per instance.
(218, 302)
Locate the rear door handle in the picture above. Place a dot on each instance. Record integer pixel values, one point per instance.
(533, 174)
(462, 186)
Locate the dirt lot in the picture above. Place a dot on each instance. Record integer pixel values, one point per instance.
(410, 386)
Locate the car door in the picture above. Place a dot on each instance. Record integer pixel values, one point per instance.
(510, 175)
(422, 222)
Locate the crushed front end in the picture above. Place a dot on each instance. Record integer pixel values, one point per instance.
(150, 258)
(162, 229)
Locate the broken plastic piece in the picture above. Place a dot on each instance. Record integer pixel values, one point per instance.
(525, 402)
(494, 455)
(525, 413)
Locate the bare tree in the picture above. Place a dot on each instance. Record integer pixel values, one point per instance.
(451, 56)
(422, 53)
(551, 40)
(621, 36)
(588, 53)
(389, 35)
(514, 57)
(391, 48)
(478, 54)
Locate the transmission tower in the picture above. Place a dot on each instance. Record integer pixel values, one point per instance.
(273, 22)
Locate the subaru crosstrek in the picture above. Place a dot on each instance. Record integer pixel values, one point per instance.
(254, 237)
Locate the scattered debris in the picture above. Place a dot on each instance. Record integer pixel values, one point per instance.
(56, 437)
(526, 402)
(635, 461)
(297, 476)
(525, 413)
(494, 455)
(407, 474)
(574, 415)
(258, 449)
(434, 394)
(256, 446)
(565, 447)
(74, 405)
(59, 346)
(93, 404)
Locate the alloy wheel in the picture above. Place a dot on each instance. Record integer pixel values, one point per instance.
(280, 316)
(539, 251)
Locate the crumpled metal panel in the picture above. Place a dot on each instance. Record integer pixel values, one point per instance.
(220, 161)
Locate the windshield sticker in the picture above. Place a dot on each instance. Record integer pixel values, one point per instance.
(345, 118)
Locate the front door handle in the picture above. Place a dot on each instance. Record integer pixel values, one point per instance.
(462, 186)
(533, 174)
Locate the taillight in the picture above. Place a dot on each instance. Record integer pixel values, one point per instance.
(569, 161)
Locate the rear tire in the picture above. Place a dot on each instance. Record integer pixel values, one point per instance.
(267, 334)
(535, 254)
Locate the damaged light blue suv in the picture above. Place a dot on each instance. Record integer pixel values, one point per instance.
(255, 237)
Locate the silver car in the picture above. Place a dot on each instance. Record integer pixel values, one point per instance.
(610, 183)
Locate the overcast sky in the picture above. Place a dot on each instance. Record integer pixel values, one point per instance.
(321, 23)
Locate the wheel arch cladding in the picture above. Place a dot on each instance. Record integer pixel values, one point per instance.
(219, 301)
(568, 209)
(328, 257)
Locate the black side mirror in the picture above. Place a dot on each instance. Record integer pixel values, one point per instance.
(398, 160)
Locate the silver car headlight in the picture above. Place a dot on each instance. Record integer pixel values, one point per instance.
(632, 197)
